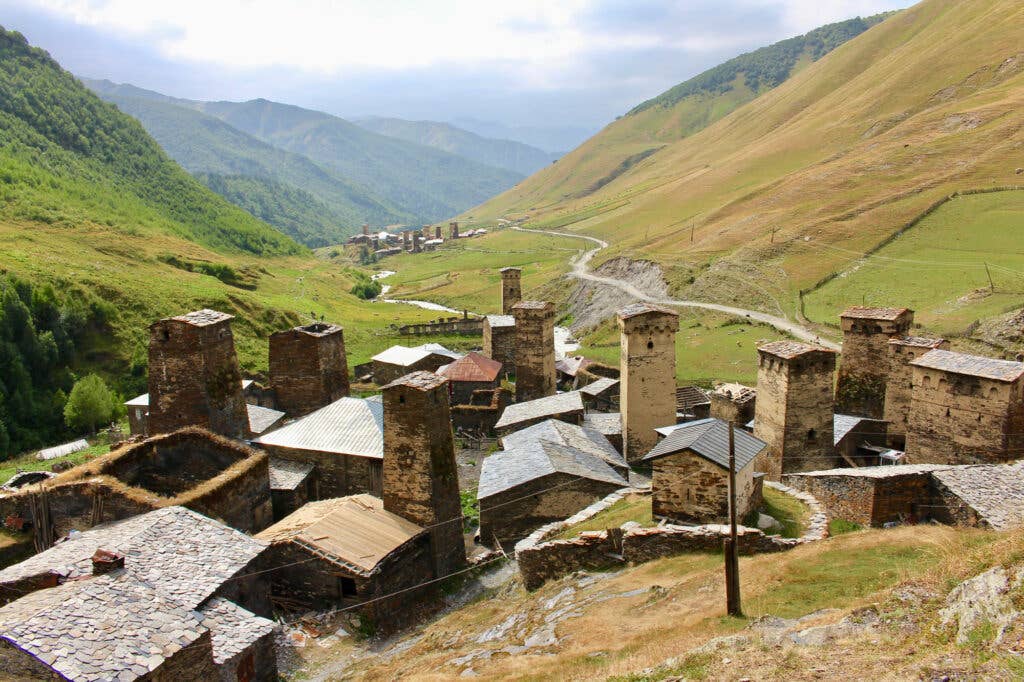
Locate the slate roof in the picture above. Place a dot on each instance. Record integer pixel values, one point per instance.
(472, 367)
(791, 349)
(354, 532)
(63, 449)
(572, 364)
(534, 459)
(605, 423)
(109, 627)
(709, 438)
(349, 426)
(916, 341)
(689, 397)
(641, 308)
(738, 393)
(185, 556)
(496, 321)
(204, 317)
(262, 418)
(288, 475)
(403, 356)
(568, 435)
(548, 406)
(533, 305)
(994, 491)
(971, 365)
(232, 628)
(869, 313)
(600, 386)
(882, 471)
(842, 424)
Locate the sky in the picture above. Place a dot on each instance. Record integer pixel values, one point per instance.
(569, 65)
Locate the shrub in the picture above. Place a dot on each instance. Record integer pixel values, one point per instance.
(90, 404)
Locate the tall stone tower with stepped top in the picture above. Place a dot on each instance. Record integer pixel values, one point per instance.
(308, 367)
(863, 365)
(511, 289)
(535, 349)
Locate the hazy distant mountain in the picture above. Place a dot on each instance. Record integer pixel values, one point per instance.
(508, 154)
(555, 140)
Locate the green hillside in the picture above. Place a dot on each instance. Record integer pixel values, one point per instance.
(508, 154)
(427, 183)
(208, 147)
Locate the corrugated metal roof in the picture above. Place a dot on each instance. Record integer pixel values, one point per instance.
(689, 397)
(63, 449)
(355, 530)
(139, 401)
(548, 406)
(472, 367)
(533, 459)
(349, 426)
(262, 418)
(403, 356)
(971, 365)
(842, 424)
(709, 438)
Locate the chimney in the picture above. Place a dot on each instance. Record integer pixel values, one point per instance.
(105, 561)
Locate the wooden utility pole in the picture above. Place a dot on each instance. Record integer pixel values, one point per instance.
(731, 545)
(991, 285)
(691, 233)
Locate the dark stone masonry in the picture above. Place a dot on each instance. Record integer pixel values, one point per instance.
(308, 367)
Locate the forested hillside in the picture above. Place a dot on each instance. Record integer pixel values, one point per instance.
(303, 199)
(508, 154)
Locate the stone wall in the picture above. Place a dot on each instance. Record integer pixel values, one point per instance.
(308, 368)
(535, 350)
(960, 419)
(482, 413)
(863, 372)
(421, 481)
(898, 390)
(688, 488)
(461, 392)
(729, 410)
(647, 389)
(194, 377)
(336, 475)
(500, 345)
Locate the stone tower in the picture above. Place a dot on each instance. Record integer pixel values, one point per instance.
(194, 378)
(647, 375)
(453, 229)
(308, 367)
(420, 475)
(863, 365)
(500, 341)
(417, 243)
(903, 350)
(406, 244)
(535, 349)
(437, 231)
(794, 411)
(366, 229)
(511, 289)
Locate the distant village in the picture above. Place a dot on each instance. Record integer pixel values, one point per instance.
(235, 505)
(428, 238)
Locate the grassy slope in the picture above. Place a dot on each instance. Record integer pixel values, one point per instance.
(843, 153)
(508, 154)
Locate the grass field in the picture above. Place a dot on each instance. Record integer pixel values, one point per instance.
(630, 508)
(937, 267)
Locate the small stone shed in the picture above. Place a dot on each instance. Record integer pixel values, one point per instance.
(859, 440)
(602, 394)
(692, 402)
(733, 402)
(569, 435)
(173, 595)
(690, 472)
(567, 407)
(398, 361)
(344, 441)
(536, 483)
(350, 550)
(608, 424)
(472, 372)
(291, 485)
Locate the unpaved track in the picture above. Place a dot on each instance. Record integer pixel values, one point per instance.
(581, 270)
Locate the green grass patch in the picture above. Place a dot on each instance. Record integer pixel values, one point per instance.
(787, 510)
(28, 461)
(630, 508)
(840, 526)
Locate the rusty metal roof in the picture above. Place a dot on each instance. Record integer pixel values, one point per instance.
(791, 349)
(971, 365)
(356, 532)
(869, 313)
(472, 367)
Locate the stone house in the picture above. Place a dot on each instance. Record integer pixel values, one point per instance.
(602, 394)
(472, 372)
(690, 473)
(859, 440)
(398, 361)
(350, 550)
(569, 435)
(734, 403)
(482, 412)
(292, 484)
(863, 372)
(500, 341)
(166, 595)
(903, 350)
(567, 407)
(343, 441)
(965, 409)
(536, 482)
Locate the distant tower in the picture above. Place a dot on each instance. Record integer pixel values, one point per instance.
(406, 243)
(863, 365)
(647, 375)
(437, 232)
(420, 475)
(417, 243)
(308, 367)
(366, 229)
(903, 350)
(511, 289)
(535, 349)
(194, 378)
(453, 229)
(794, 411)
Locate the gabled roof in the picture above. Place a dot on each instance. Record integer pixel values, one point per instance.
(354, 532)
(709, 438)
(737, 393)
(262, 418)
(572, 364)
(641, 308)
(403, 356)
(534, 459)
(689, 397)
(569, 435)
(842, 424)
(916, 341)
(496, 321)
(232, 628)
(103, 628)
(971, 365)
(600, 386)
(185, 556)
(288, 475)
(548, 406)
(472, 367)
(349, 426)
(605, 423)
